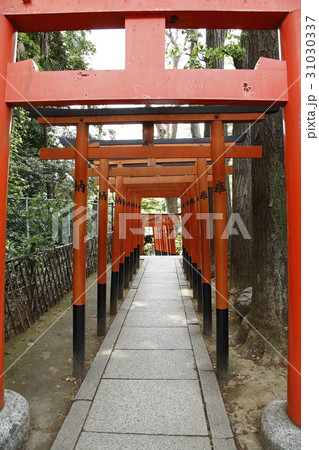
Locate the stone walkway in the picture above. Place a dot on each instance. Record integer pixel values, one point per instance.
(151, 385)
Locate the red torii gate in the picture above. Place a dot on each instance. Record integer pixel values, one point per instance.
(272, 81)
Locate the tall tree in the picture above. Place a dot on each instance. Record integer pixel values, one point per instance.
(240, 269)
(28, 176)
(266, 337)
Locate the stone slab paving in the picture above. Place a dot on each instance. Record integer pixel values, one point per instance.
(151, 365)
(151, 385)
(100, 441)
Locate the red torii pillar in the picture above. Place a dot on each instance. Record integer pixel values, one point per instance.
(79, 248)
(205, 245)
(290, 30)
(116, 246)
(199, 238)
(123, 242)
(220, 246)
(8, 45)
(127, 264)
(102, 247)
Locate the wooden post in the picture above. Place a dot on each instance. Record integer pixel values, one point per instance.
(141, 235)
(173, 237)
(127, 256)
(220, 248)
(8, 45)
(205, 246)
(79, 248)
(135, 235)
(164, 238)
(131, 242)
(199, 243)
(291, 47)
(123, 243)
(102, 247)
(193, 220)
(116, 246)
(190, 242)
(184, 235)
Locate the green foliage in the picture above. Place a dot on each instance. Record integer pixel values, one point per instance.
(200, 56)
(47, 184)
(153, 205)
(203, 56)
(59, 50)
(148, 249)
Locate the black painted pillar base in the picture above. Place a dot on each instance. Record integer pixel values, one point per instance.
(101, 309)
(188, 267)
(114, 292)
(121, 281)
(78, 340)
(222, 343)
(195, 281)
(126, 272)
(135, 259)
(138, 256)
(191, 270)
(200, 291)
(207, 309)
(131, 266)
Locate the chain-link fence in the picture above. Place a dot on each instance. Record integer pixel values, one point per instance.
(35, 223)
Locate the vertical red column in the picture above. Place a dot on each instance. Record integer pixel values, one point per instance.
(199, 240)
(135, 235)
(116, 246)
(173, 237)
(142, 231)
(184, 234)
(290, 48)
(220, 246)
(102, 247)
(189, 240)
(123, 240)
(127, 254)
(205, 246)
(196, 253)
(8, 45)
(164, 239)
(79, 248)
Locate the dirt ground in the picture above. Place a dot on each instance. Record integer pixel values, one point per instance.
(39, 367)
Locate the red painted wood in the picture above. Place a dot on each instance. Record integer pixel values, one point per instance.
(291, 47)
(268, 85)
(7, 39)
(39, 15)
(79, 223)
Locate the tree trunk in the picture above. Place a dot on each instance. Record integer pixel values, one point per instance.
(240, 269)
(268, 312)
(214, 38)
(171, 205)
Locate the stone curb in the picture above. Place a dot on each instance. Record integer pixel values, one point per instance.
(222, 435)
(73, 424)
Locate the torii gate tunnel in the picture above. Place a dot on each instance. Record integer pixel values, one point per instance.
(146, 81)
